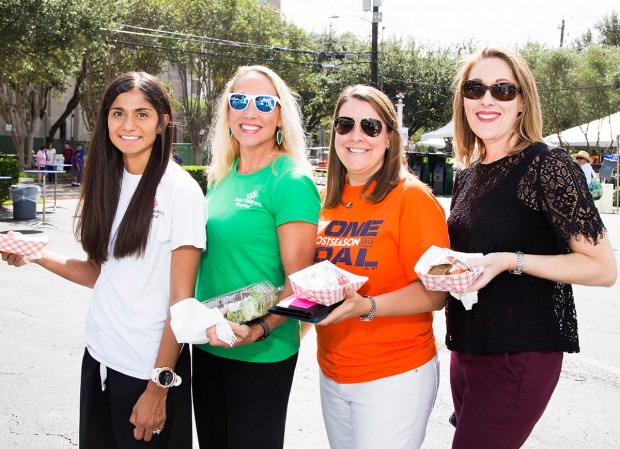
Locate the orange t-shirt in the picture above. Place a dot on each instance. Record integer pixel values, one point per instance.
(382, 241)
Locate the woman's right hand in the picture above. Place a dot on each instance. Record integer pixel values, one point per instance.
(14, 260)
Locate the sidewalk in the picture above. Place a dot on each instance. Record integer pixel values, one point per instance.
(41, 341)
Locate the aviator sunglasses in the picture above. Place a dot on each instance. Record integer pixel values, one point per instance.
(263, 103)
(475, 90)
(371, 126)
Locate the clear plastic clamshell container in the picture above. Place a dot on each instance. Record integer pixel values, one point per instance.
(248, 303)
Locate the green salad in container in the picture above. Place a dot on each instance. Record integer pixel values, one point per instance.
(248, 303)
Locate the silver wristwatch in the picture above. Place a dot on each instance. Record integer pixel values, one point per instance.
(373, 310)
(165, 378)
(520, 262)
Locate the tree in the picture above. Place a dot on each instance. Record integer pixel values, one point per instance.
(575, 87)
(609, 28)
(36, 62)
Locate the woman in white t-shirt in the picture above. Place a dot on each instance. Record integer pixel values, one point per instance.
(140, 220)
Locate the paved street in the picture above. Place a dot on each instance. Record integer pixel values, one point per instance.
(41, 341)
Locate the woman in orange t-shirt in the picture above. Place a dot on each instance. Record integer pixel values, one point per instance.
(377, 351)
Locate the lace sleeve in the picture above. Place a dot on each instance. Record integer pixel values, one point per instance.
(562, 194)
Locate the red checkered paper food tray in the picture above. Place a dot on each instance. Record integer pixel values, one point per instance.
(450, 283)
(324, 283)
(445, 283)
(22, 245)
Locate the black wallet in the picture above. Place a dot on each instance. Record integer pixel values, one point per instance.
(306, 311)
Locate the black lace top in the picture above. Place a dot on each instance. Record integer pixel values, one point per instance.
(533, 202)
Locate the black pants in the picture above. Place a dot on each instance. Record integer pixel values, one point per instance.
(104, 415)
(240, 405)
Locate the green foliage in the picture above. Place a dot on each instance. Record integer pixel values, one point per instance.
(199, 173)
(9, 166)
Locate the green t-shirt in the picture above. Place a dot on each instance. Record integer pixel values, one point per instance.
(243, 212)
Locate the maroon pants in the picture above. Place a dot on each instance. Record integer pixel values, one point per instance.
(498, 398)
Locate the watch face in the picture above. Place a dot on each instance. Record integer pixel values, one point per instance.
(166, 377)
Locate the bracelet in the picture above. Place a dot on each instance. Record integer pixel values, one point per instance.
(520, 262)
(265, 327)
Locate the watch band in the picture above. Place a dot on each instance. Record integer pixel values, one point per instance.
(520, 263)
(265, 326)
(165, 377)
(373, 310)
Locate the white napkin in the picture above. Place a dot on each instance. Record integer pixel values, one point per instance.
(190, 320)
(468, 299)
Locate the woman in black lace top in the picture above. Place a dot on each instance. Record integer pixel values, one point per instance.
(528, 209)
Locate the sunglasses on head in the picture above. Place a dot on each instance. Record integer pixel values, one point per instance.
(263, 103)
(475, 90)
(371, 126)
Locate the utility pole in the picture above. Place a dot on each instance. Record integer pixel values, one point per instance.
(374, 48)
(376, 18)
(562, 34)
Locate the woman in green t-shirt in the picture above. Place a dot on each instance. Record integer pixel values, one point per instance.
(263, 210)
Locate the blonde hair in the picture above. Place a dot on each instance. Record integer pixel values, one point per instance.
(226, 149)
(468, 147)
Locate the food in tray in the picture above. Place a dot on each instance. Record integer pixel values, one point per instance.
(451, 266)
(443, 268)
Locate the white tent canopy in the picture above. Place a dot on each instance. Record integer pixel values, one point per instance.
(436, 142)
(444, 131)
(598, 133)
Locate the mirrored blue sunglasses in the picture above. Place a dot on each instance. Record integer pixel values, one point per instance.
(263, 103)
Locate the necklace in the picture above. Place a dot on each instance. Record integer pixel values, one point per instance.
(264, 161)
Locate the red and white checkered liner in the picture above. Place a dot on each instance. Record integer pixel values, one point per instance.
(445, 283)
(22, 245)
(450, 283)
(303, 288)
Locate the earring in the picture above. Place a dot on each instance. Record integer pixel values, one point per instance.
(229, 132)
(279, 137)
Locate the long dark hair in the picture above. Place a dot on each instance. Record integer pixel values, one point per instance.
(103, 175)
(390, 173)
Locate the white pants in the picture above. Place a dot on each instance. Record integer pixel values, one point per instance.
(386, 413)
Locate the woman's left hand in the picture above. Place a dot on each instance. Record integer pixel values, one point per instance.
(353, 306)
(149, 413)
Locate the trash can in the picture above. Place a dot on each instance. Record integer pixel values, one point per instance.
(449, 175)
(24, 199)
(437, 169)
(418, 163)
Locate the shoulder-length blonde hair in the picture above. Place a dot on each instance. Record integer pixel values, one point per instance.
(226, 149)
(392, 170)
(528, 129)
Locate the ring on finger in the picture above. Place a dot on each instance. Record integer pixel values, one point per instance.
(157, 431)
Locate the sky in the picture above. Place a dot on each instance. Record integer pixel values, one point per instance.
(445, 22)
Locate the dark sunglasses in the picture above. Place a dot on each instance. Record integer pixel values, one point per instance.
(263, 103)
(371, 126)
(475, 90)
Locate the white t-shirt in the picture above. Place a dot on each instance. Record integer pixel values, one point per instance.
(131, 297)
(50, 153)
(588, 171)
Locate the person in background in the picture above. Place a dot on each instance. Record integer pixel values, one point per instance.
(377, 352)
(143, 246)
(583, 159)
(50, 155)
(77, 166)
(177, 157)
(263, 210)
(67, 153)
(526, 207)
(41, 158)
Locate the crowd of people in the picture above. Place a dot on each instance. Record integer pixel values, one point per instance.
(263, 219)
